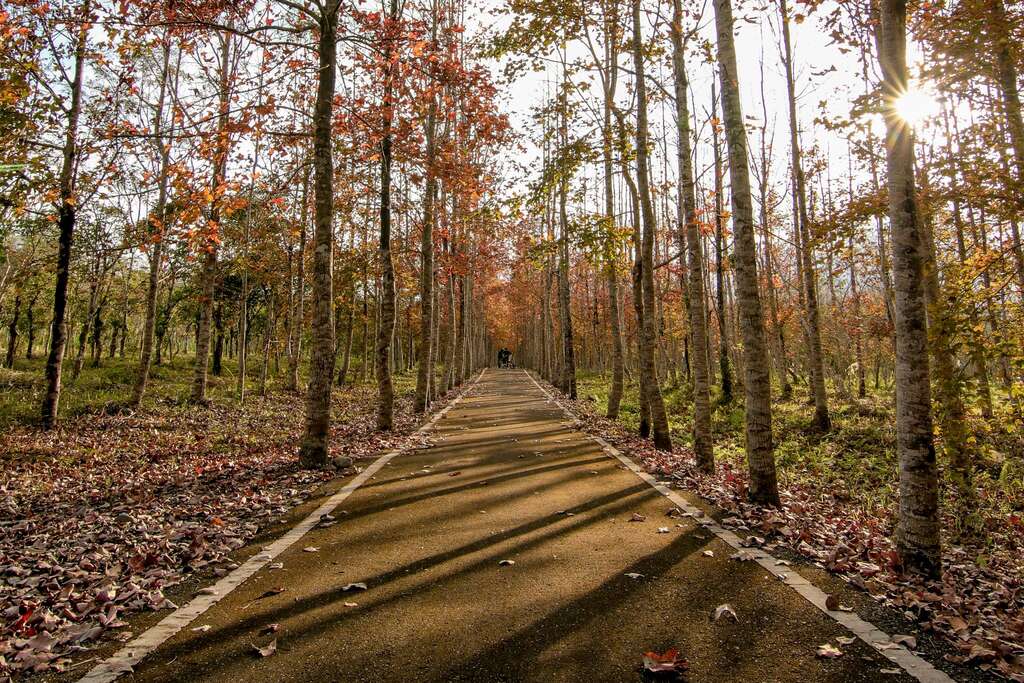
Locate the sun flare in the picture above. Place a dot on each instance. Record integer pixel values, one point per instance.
(915, 106)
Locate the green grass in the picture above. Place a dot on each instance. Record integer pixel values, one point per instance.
(856, 458)
(22, 389)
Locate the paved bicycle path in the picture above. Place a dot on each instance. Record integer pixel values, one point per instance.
(507, 479)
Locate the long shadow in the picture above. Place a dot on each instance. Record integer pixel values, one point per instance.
(494, 502)
(445, 462)
(447, 451)
(626, 499)
(515, 657)
(478, 483)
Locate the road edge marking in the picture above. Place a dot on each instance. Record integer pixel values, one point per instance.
(123, 661)
(875, 637)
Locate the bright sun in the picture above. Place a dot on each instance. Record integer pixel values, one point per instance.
(916, 106)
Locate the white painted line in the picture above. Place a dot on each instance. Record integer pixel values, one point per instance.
(132, 653)
(866, 631)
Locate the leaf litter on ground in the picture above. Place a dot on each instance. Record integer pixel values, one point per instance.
(102, 515)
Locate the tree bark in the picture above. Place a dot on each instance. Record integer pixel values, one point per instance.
(315, 448)
(917, 537)
(385, 389)
(568, 379)
(702, 439)
(757, 385)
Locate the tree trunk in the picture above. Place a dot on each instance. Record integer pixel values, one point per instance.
(268, 336)
(425, 351)
(30, 315)
(611, 72)
(315, 448)
(12, 331)
(97, 333)
(218, 346)
(649, 379)
(702, 439)
(568, 379)
(209, 269)
(66, 216)
(298, 315)
(724, 371)
(757, 385)
(385, 389)
(821, 414)
(1007, 77)
(917, 537)
(948, 385)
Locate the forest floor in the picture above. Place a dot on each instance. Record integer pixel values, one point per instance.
(106, 515)
(114, 519)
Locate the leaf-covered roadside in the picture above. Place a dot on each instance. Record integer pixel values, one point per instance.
(99, 517)
(978, 607)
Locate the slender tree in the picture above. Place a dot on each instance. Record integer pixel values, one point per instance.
(649, 378)
(757, 384)
(702, 439)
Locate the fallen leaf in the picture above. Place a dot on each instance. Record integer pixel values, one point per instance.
(909, 641)
(634, 575)
(829, 651)
(725, 610)
(42, 642)
(666, 662)
(202, 629)
(271, 628)
(507, 563)
(709, 553)
(845, 640)
(311, 549)
(351, 604)
(637, 517)
(663, 529)
(266, 651)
